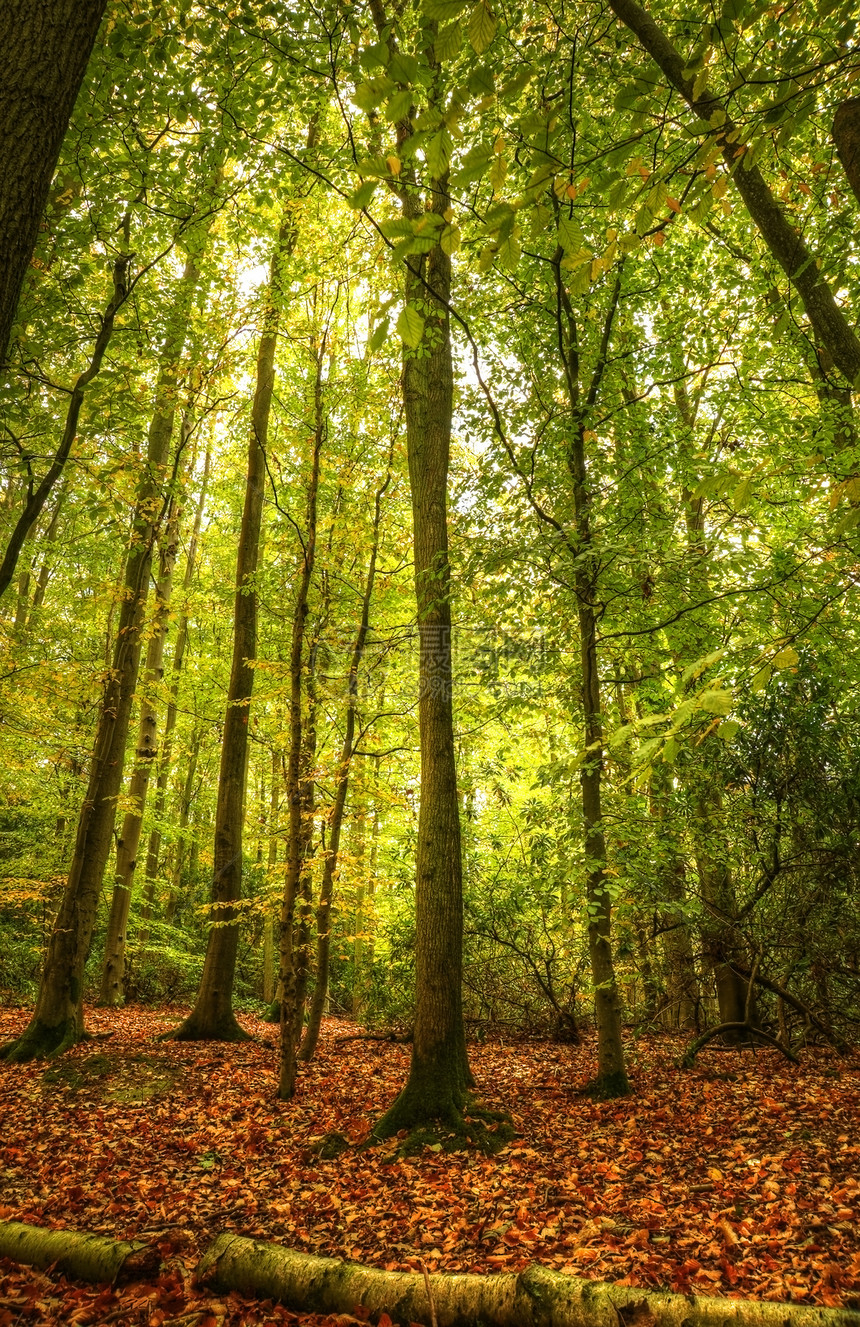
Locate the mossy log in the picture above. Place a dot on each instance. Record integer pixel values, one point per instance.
(77, 1254)
(534, 1298)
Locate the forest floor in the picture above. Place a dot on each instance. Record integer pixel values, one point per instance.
(739, 1177)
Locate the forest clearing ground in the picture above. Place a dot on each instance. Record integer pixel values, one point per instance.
(738, 1177)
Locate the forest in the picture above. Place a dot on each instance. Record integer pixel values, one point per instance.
(429, 505)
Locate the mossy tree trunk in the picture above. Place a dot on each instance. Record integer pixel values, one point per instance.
(112, 990)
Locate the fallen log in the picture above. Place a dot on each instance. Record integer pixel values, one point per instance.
(85, 1257)
(536, 1297)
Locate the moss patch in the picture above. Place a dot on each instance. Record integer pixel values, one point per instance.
(127, 1080)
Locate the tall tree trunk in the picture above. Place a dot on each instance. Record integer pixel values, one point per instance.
(45, 46)
(439, 1073)
(330, 863)
(112, 989)
(153, 855)
(292, 941)
(58, 1019)
(212, 1018)
(611, 1079)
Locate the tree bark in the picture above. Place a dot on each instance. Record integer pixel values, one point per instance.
(45, 46)
(846, 136)
(536, 1297)
(439, 1076)
(75, 1253)
(611, 1079)
(831, 327)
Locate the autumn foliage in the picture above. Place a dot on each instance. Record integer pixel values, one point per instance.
(740, 1177)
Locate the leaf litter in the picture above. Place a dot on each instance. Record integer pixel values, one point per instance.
(740, 1177)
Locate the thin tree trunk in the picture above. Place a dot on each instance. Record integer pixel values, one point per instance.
(611, 1079)
(186, 798)
(330, 863)
(292, 941)
(271, 865)
(45, 46)
(212, 1017)
(112, 990)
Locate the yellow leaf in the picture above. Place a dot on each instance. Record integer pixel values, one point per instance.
(393, 164)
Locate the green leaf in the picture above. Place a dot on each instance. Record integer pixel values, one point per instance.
(715, 702)
(363, 194)
(443, 10)
(410, 326)
(509, 251)
(377, 340)
(742, 493)
(450, 240)
(371, 94)
(787, 658)
(398, 106)
(404, 68)
(482, 27)
(437, 153)
(448, 40)
(475, 164)
(727, 730)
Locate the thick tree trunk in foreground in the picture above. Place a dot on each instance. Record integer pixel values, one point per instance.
(832, 328)
(534, 1298)
(212, 1018)
(439, 1074)
(44, 49)
(75, 1253)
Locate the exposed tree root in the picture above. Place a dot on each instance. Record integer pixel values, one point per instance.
(689, 1057)
(39, 1041)
(194, 1029)
(608, 1087)
(87, 1257)
(534, 1298)
(448, 1125)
